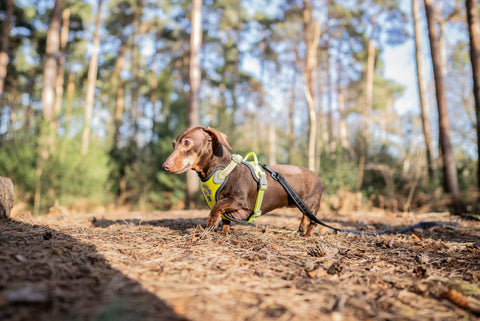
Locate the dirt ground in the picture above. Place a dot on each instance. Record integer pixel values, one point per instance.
(115, 265)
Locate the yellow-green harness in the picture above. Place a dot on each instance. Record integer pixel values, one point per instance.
(215, 182)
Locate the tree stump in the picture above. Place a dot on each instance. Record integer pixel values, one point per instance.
(7, 197)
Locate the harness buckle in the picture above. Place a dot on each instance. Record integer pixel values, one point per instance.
(237, 158)
(263, 181)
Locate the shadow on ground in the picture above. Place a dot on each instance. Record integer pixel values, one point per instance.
(49, 275)
(441, 230)
(178, 224)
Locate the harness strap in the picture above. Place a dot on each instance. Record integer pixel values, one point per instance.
(261, 178)
(236, 159)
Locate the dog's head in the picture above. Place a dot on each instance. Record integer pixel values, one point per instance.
(193, 146)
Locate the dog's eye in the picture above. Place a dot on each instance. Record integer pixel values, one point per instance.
(187, 142)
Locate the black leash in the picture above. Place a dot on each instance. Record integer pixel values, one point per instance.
(306, 211)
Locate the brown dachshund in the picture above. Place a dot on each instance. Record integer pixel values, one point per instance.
(204, 149)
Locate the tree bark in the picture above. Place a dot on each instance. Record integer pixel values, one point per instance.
(45, 144)
(290, 137)
(369, 87)
(367, 108)
(474, 35)
(449, 167)
(68, 111)
(4, 46)
(330, 141)
(120, 96)
(61, 69)
(342, 124)
(312, 33)
(49, 78)
(136, 70)
(7, 197)
(195, 79)
(424, 107)
(91, 80)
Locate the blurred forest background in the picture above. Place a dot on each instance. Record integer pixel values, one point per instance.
(93, 93)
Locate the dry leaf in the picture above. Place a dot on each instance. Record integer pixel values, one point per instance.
(20, 258)
(317, 272)
(457, 298)
(415, 236)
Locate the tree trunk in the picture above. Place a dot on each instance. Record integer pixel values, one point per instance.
(424, 107)
(61, 68)
(312, 33)
(290, 137)
(4, 46)
(7, 197)
(341, 110)
(120, 96)
(45, 144)
(366, 110)
(136, 70)
(195, 78)
(29, 123)
(368, 87)
(154, 88)
(91, 80)
(330, 141)
(49, 78)
(68, 110)
(449, 167)
(474, 34)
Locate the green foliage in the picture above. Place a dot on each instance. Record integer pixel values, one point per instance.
(17, 161)
(338, 170)
(66, 177)
(73, 175)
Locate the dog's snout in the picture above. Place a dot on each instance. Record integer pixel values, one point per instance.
(166, 166)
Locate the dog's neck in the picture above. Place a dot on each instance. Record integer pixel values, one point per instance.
(218, 156)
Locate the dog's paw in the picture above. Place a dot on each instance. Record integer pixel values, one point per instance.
(212, 222)
(225, 230)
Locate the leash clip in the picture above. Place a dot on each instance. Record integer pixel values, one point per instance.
(275, 175)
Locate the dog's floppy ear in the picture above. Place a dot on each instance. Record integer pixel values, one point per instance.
(217, 135)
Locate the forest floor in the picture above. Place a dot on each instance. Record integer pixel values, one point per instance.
(121, 265)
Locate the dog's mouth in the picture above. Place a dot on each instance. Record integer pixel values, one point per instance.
(178, 171)
(177, 167)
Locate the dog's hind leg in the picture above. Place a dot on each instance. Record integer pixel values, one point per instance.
(302, 228)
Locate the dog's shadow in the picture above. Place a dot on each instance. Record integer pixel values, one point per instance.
(47, 274)
(441, 230)
(177, 224)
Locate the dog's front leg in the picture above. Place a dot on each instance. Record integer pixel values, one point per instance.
(215, 216)
(212, 222)
(213, 219)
